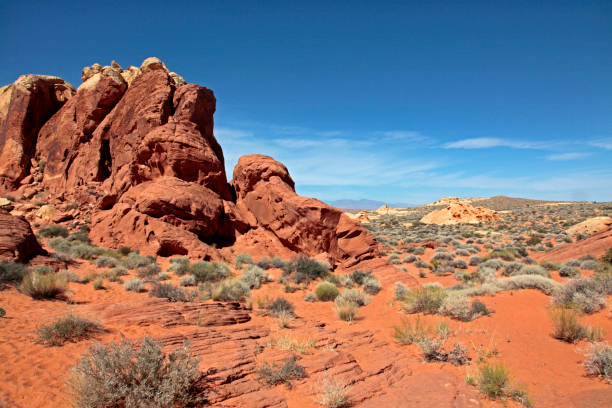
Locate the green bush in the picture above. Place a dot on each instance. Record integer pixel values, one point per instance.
(123, 375)
(43, 285)
(209, 271)
(358, 276)
(304, 269)
(569, 271)
(280, 374)
(11, 272)
(280, 305)
(53, 231)
(494, 380)
(134, 260)
(253, 276)
(326, 291)
(170, 292)
(187, 280)
(105, 262)
(371, 285)
(353, 295)
(227, 290)
(426, 299)
(70, 328)
(241, 259)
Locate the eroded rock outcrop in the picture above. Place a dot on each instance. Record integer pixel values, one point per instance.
(17, 241)
(137, 145)
(25, 106)
(460, 213)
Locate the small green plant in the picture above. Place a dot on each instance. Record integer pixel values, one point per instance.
(2, 312)
(241, 259)
(280, 374)
(493, 380)
(11, 272)
(278, 306)
(426, 299)
(171, 292)
(410, 332)
(70, 328)
(53, 231)
(326, 291)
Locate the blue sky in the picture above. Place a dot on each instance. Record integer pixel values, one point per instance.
(392, 101)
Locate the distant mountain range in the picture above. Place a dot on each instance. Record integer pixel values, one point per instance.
(365, 204)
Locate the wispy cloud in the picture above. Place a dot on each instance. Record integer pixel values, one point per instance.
(402, 135)
(602, 143)
(567, 156)
(231, 133)
(489, 142)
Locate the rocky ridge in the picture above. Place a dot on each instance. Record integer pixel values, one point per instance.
(135, 149)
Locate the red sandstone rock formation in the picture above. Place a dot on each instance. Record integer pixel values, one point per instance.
(17, 241)
(596, 245)
(25, 106)
(138, 144)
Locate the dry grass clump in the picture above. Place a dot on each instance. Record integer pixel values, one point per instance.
(567, 326)
(124, 375)
(426, 299)
(280, 374)
(411, 332)
(346, 309)
(586, 294)
(333, 393)
(134, 285)
(70, 328)
(494, 381)
(599, 361)
(43, 285)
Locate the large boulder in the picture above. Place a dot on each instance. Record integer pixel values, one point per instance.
(17, 241)
(460, 213)
(265, 189)
(25, 106)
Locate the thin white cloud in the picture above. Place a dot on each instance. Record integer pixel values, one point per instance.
(231, 133)
(489, 142)
(329, 133)
(402, 135)
(604, 144)
(567, 156)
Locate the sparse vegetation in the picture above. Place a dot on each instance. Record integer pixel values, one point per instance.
(149, 377)
(134, 285)
(333, 393)
(70, 328)
(280, 374)
(599, 361)
(52, 231)
(43, 285)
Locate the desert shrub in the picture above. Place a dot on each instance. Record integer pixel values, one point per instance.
(69, 276)
(11, 272)
(353, 295)
(589, 264)
(81, 236)
(280, 305)
(346, 310)
(148, 271)
(304, 269)
(572, 262)
(105, 262)
(462, 252)
(457, 307)
(566, 325)
(506, 254)
(460, 264)
(326, 291)
(371, 285)
(2, 312)
(411, 332)
(43, 285)
(479, 309)
(541, 283)
(241, 259)
(333, 393)
(179, 265)
(134, 260)
(475, 260)
(134, 285)
(421, 264)
(400, 291)
(277, 262)
(253, 276)
(162, 276)
(310, 297)
(583, 293)
(443, 256)
(550, 265)
(41, 269)
(512, 268)
(494, 380)
(187, 280)
(233, 289)
(599, 361)
(280, 374)
(53, 231)
(124, 250)
(98, 284)
(359, 277)
(492, 263)
(409, 259)
(148, 376)
(426, 299)
(432, 349)
(171, 292)
(70, 328)
(205, 271)
(346, 281)
(85, 251)
(532, 270)
(569, 271)
(442, 267)
(607, 257)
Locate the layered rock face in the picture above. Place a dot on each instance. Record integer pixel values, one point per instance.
(138, 144)
(460, 213)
